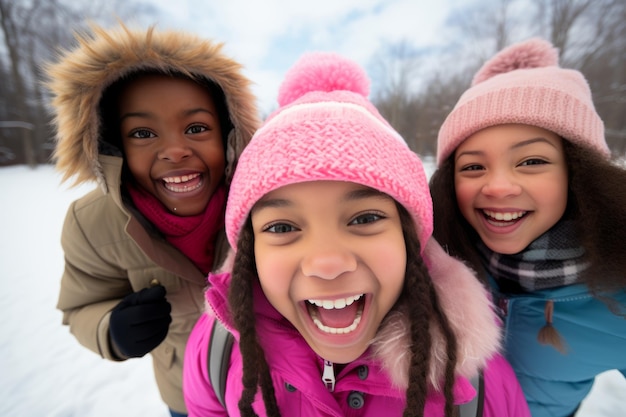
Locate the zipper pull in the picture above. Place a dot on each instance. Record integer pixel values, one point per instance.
(328, 377)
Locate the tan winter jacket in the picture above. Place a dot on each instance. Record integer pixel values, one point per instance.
(110, 250)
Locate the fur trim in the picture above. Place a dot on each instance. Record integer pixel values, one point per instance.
(78, 80)
(467, 306)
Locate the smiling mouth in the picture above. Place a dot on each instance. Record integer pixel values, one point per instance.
(503, 219)
(339, 316)
(184, 183)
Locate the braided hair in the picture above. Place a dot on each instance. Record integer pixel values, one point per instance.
(418, 298)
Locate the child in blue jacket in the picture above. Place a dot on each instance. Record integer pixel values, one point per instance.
(526, 192)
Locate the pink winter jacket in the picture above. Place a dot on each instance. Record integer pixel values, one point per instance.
(374, 384)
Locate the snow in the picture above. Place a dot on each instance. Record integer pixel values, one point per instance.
(44, 370)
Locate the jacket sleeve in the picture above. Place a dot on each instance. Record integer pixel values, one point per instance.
(90, 287)
(503, 394)
(200, 397)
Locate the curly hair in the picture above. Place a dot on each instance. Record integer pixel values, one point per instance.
(596, 203)
(418, 298)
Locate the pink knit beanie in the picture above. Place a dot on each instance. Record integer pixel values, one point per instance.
(326, 129)
(524, 84)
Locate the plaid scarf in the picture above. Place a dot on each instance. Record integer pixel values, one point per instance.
(554, 259)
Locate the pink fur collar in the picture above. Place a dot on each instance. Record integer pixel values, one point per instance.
(469, 310)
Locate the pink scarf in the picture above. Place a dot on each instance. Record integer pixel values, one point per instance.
(194, 236)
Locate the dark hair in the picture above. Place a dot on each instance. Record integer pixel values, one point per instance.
(596, 203)
(418, 298)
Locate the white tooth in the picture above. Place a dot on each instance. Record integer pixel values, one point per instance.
(507, 217)
(338, 303)
(334, 330)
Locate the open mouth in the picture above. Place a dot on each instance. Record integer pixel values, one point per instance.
(339, 316)
(183, 183)
(502, 219)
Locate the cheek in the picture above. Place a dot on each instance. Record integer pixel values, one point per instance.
(275, 273)
(464, 196)
(390, 267)
(554, 196)
(139, 165)
(215, 158)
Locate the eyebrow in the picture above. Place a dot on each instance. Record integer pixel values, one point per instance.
(189, 112)
(358, 194)
(516, 146)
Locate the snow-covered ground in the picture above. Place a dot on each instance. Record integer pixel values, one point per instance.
(43, 369)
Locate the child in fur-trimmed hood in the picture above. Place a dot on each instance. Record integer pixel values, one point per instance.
(158, 119)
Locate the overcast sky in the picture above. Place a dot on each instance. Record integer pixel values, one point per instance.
(268, 36)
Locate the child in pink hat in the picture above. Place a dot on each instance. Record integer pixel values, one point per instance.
(339, 300)
(526, 192)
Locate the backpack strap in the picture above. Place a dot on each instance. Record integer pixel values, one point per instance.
(474, 408)
(220, 346)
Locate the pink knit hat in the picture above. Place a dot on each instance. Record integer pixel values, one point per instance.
(326, 129)
(524, 84)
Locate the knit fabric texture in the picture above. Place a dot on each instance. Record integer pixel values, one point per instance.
(553, 260)
(524, 84)
(326, 129)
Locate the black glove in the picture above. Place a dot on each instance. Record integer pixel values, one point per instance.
(140, 321)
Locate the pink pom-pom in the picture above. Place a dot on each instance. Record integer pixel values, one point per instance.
(533, 53)
(324, 72)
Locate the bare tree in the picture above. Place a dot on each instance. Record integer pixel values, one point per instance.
(395, 69)
(32, 31)
(590, 35)
(9, 14)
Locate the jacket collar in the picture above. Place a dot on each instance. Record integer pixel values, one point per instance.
(463, 298)
(161, 252)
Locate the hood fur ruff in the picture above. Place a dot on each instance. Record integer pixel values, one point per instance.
(79, 78)
(469, 310)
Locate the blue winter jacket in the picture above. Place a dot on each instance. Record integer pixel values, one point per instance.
(555, 383)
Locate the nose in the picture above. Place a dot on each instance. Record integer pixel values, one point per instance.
(328, 262)
(500, 185)
(175, 148)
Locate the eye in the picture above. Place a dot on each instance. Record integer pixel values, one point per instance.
(366, 218)
(279, 228)
(472, 167)
(142, 134)
(194, 129)
(533, 161)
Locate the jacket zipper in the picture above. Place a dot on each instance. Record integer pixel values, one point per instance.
(328, 376)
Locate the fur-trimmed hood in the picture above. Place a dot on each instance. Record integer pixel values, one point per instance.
(464, 300)
(470, 312)
(79, 78)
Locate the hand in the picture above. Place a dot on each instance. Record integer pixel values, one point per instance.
(140, 322)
